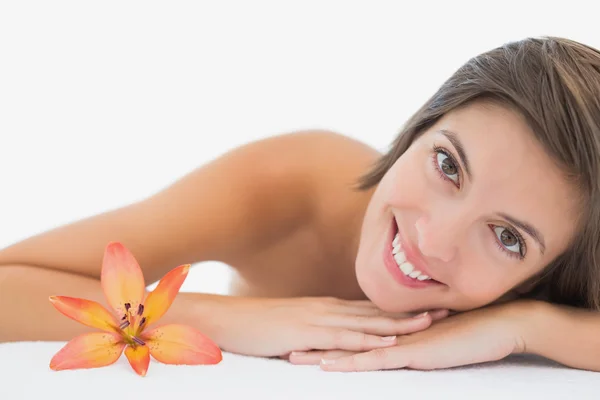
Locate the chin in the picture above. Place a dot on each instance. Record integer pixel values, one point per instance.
(377, 290)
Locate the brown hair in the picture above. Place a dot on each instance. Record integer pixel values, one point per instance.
(555, 84)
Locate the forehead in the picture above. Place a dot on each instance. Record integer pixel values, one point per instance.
(512, 173)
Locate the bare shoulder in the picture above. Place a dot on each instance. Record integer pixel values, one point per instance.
(326, 164)
(308, 165)
(322, 147)
(320, 163)
(324, 156)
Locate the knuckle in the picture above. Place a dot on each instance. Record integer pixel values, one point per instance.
(385, 324)
(363, 340)
(381, 355)
(350, 340)
(389, 323)
(354, 363)
(339, 337)
(346, 339)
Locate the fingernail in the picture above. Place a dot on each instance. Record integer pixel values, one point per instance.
(327, 362)
(421, 315)
(388, 338)
(298, 353)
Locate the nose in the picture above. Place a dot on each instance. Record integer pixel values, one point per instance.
(438, 234)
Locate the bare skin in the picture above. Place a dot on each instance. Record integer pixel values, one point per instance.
(317, 258)
(298, 250)
(294, 235)
(284, 214)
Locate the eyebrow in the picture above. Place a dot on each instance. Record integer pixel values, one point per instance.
(530, 229)
(453, 138)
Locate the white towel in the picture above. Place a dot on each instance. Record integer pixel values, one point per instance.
(25, 375)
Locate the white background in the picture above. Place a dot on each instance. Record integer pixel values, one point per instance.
(104, 103)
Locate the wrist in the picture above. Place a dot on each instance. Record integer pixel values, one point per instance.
(529, 319)
(204, 312)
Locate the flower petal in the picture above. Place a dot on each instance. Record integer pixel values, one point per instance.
(139, 358)
(161, 298)
(180, 344)
(91, 350)
(85, 311)
(122, 278)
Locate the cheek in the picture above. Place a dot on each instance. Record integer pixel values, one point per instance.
(407, 182)
(479, 286)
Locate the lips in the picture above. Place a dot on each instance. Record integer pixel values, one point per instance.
(412, 256)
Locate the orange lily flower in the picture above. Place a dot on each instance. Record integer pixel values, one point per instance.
(123, 285)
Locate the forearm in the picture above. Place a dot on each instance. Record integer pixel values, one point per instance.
(567, 335)
(27, 314)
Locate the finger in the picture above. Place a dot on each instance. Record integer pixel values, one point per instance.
(356, 307)
(371, 311)
(376, 312)
(315, 357)
(359, 303)
(374, 360)
(345, 339)
(436, 315)
(381, 326)
(353, 307)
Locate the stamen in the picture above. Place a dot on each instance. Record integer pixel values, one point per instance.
(124, 317)
(127, 306)
(141, 309)
(124, 325)
(142, 321)
(138, 341)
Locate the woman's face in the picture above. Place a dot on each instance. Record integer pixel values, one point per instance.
(471, 210)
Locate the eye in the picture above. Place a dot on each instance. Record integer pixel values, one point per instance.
(511, 241)
(446, 165)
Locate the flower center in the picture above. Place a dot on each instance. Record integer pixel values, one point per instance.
(128, 328)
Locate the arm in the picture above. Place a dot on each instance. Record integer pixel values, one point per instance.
(28, 315)
(567, 335)
(240, 203)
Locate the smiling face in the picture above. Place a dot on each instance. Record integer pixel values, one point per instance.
(477, 205)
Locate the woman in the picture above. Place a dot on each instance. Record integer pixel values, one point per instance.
(486, 206)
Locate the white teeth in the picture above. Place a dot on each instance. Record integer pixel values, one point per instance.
(400, 257)
(407, 268)
(414, 274)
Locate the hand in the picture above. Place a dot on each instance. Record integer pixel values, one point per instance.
(486, 334)
(276, 327)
